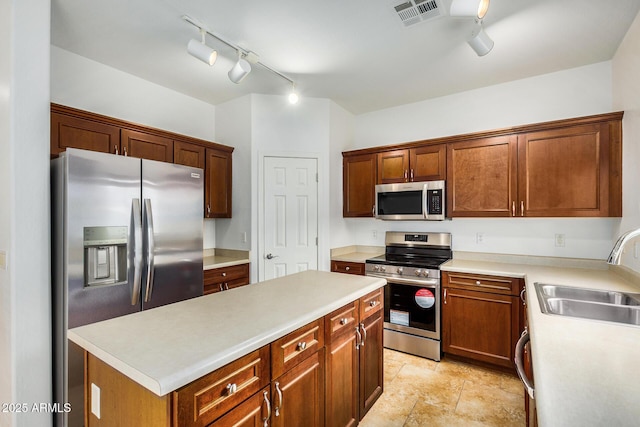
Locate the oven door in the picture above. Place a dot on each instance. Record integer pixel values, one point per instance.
(412, 307)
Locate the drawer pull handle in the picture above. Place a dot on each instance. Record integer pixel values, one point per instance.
(277, 408)
(226, 286)
(373, 303)
(221, 287)
(344, 321)
(522, 296)
(231, 389)
(302, 346)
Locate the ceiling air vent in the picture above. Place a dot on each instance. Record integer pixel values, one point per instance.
(415, 11)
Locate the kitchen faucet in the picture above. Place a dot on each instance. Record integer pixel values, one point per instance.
(616, 252)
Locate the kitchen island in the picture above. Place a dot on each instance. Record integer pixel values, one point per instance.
(584, 371)
(167, 349)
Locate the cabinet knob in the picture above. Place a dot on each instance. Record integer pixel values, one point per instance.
(347, 268)
(231, 388)
(224, 274)
(478, 282)
(344, 321)
(373, 303)
(124, 151)
(117, 151)
(302, 346)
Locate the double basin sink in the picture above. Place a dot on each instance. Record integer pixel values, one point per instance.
(609, 306)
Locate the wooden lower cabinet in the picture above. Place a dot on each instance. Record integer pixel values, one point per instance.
(293, 381)
(225, 278)
(348, 267)
(354, 360)
(481, 317)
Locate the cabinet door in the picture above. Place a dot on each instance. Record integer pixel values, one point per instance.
(298, 395)
(393, 166)
(74, 132)
(481, 177)
(342, 379)
(564, 172)
(188, 154)
(371, 362)
(218, 174)
(147, 146)
(253, 412)
(480, 325)
(428, 163)
(358, 185)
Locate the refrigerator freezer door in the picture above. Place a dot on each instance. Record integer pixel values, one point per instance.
(172, 221)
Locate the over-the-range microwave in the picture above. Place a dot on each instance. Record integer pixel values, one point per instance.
(410, 201)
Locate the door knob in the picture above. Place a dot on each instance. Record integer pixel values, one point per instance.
(269, 256)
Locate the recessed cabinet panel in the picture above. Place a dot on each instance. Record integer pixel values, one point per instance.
(74, 132)
(147, 146)
(481, 178)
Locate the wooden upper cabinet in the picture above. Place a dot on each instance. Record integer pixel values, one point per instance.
(393, 166)
(218, 175)
(427, 163)
(359, 182)
(565, 172)
(188, 154)
(75, 132)
(147, 146)
(482, 177)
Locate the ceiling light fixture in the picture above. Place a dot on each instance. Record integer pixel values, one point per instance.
(244, 54)
(469, 8)
(480, 42)
(293, 96)
(240, 70)
(200, 50)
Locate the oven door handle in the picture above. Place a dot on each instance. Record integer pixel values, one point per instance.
(418, 283)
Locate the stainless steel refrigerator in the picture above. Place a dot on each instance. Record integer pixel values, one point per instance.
(126, 236)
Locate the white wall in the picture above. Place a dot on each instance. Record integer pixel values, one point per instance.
(88, 85)
(25, 296)
(234, 128)
(571, 93)
(626, 96)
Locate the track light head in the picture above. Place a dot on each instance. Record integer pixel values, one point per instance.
(293, 96)
(469, 8)
(480, 42)
(240, 70)
(200, 50)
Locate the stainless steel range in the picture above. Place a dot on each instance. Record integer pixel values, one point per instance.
(411, 265)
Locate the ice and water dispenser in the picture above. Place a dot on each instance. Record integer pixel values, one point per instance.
(105, 256)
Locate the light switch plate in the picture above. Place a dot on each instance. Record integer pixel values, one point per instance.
(3, 260)
(95, 400)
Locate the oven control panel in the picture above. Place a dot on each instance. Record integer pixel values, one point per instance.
(389, 271)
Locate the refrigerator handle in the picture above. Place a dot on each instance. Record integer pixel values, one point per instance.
(137, 250)
(148, 221)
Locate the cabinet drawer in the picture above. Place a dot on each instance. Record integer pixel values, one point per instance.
(371, 303)
(296, 346)
(479, 282)
(208, 398)
(341, 320)
(348, 267)
(226, 274)
(210, 288)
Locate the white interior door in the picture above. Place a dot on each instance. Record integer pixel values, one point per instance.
(290, 216)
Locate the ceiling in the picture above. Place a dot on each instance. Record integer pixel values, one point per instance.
(355, 52)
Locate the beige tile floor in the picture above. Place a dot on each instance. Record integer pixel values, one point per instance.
(422, 392)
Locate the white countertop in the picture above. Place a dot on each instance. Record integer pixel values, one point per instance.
(168, 347)
(585, 372)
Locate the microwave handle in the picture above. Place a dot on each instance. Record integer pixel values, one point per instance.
(425, 208)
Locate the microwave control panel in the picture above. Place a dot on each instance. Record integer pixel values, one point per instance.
(434, 202)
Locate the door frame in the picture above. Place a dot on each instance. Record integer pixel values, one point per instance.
(322, 260)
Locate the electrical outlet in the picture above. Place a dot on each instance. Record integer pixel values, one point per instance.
(374, 233)
(95, 400)
(560, 240)
(479, 238)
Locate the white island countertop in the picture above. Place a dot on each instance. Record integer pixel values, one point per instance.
(168, 347)
(585, 371)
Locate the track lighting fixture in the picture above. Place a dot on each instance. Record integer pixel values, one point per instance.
(293, 96)
(469, 8)
(240, 70)
(200, 50)
(480, 41)
(246, 58)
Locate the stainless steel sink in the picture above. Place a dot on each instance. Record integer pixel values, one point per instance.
(592, 295)
(609, 306)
